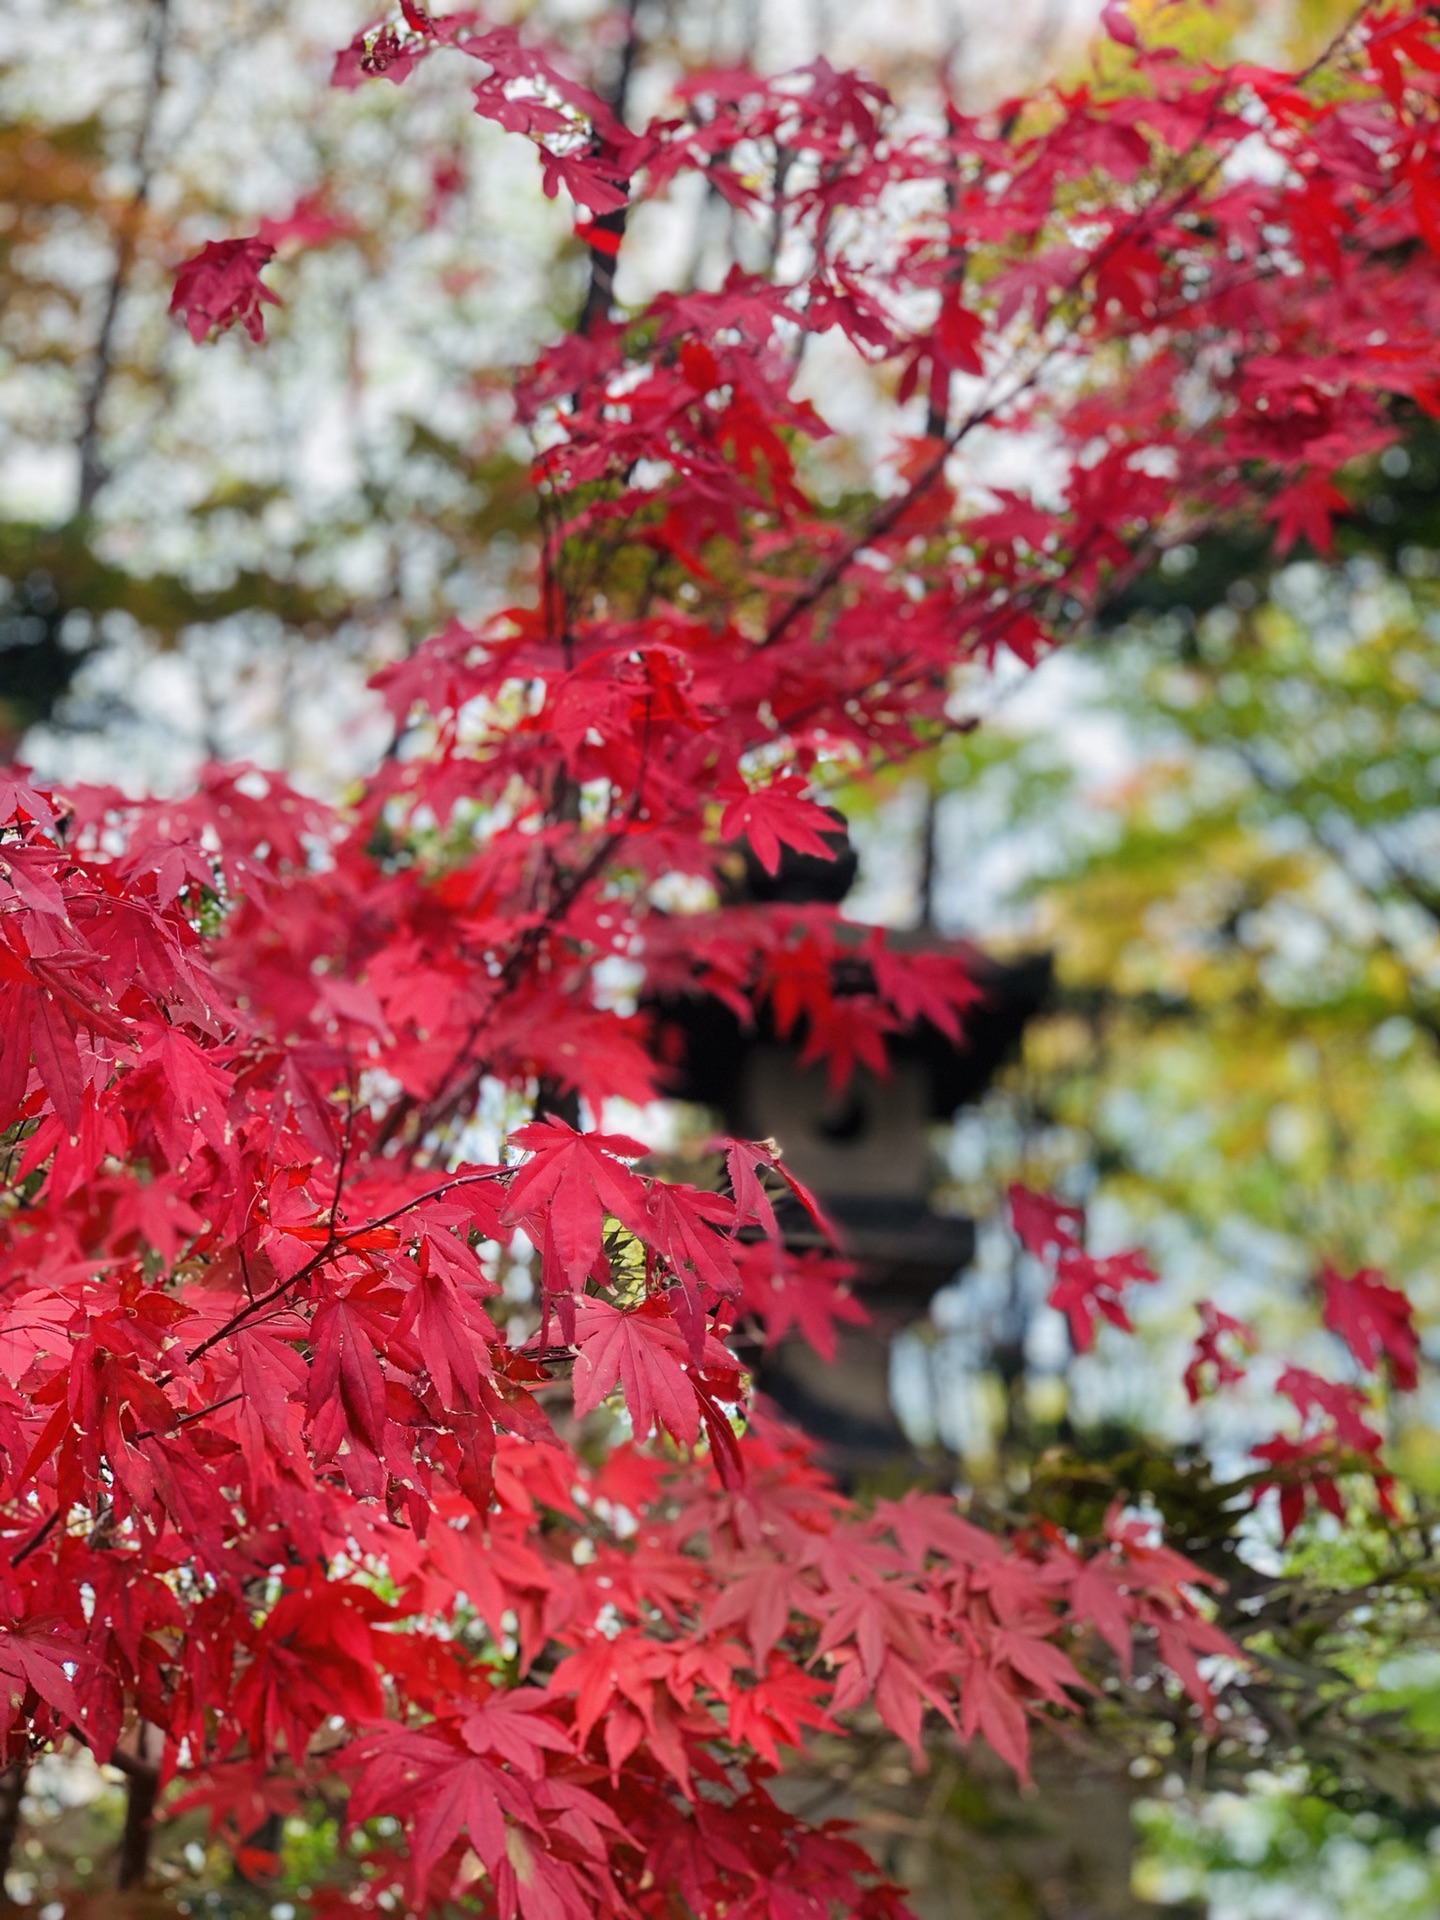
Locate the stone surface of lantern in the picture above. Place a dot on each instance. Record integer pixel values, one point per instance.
(865, 1148)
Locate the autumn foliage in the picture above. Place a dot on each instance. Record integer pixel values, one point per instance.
(286, 1475)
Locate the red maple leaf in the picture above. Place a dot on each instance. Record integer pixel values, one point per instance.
(1044, 1223)
(1211, 1364)
(562, 1194)
(221, 286)
(1372, 1319)
(644, 1352)
(779, 814)
(518, 1725)
(347, 1389)
(20, 801)
(1305, 509)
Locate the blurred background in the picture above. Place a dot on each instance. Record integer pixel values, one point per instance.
(1214, 815)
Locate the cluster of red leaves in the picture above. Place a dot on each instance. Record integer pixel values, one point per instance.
(1376, 1323)
(1084, 1286)
(276, 1477)
(269, 1460)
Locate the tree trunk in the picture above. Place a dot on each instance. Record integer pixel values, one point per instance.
(12, 1791)
(142, 1790)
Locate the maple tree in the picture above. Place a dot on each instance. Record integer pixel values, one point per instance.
(287, 1478)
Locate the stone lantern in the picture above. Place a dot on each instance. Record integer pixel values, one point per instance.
(866, 1153)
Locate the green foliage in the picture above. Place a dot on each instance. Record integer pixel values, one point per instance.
(1274, 1850)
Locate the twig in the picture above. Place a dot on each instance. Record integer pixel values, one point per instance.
(93, 471)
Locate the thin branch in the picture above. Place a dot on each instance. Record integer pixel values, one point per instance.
(600, 294)
(93, 471)
(12, 1793)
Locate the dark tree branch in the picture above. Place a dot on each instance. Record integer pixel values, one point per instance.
(600, 294)
(12, 1792)
(142, 1790)
(93, 471)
